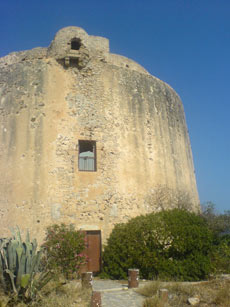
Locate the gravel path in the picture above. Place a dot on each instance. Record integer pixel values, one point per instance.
(114, 294)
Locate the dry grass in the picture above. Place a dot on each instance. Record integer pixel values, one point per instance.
(211, 293)
(150, 289)
(223, 295)
(3, 299)
(70, 294)
(153, 302)
(58, 294)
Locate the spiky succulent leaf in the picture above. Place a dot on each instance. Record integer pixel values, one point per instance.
(27, 236)
(19, 251)
(25, 280)
(2, 279)
(11, 275)
(18, 235)
(21, 268)
(36, 261)
(14, 244)
(10, 256)
(3, 252)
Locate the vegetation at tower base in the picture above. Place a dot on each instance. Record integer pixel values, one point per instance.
(171, 244)
(221, 256)
(64, 249)
(220, 225)
(19, 263)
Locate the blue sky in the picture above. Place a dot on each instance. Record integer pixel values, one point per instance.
(185, 43)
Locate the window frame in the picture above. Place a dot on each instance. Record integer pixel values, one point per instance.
(94, 146)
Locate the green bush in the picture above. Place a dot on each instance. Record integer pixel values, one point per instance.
(221, 256)
(172, 244)
(219, 223)
(64, 248)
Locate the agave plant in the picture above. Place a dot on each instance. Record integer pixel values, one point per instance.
(19, 263)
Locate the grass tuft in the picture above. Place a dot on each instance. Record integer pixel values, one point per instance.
(150, 289)
(153, 302)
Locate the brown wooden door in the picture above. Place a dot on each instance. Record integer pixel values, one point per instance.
(93, 250)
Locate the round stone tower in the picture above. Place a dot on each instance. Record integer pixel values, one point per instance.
(87, 137)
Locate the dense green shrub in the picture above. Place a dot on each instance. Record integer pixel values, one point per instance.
(172, 244)
(221, 256)
(219, 223)
(64, 248)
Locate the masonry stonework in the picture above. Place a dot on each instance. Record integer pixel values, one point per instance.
(50, 98)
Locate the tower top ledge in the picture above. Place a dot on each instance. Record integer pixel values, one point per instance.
(74, 43)
(65, 37)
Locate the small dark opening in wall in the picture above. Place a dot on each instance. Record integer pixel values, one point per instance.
(73, 62)
(75, 44)
(87, 156)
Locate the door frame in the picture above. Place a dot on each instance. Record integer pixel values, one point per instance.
(96, 232)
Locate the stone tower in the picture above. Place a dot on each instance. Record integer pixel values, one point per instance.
(87, 137)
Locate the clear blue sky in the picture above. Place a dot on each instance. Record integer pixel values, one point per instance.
(185, 43)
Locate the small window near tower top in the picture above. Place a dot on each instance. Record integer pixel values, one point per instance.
(75, 44)
(87, 156)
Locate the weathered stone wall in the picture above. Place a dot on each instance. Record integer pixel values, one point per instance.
(136, 120)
